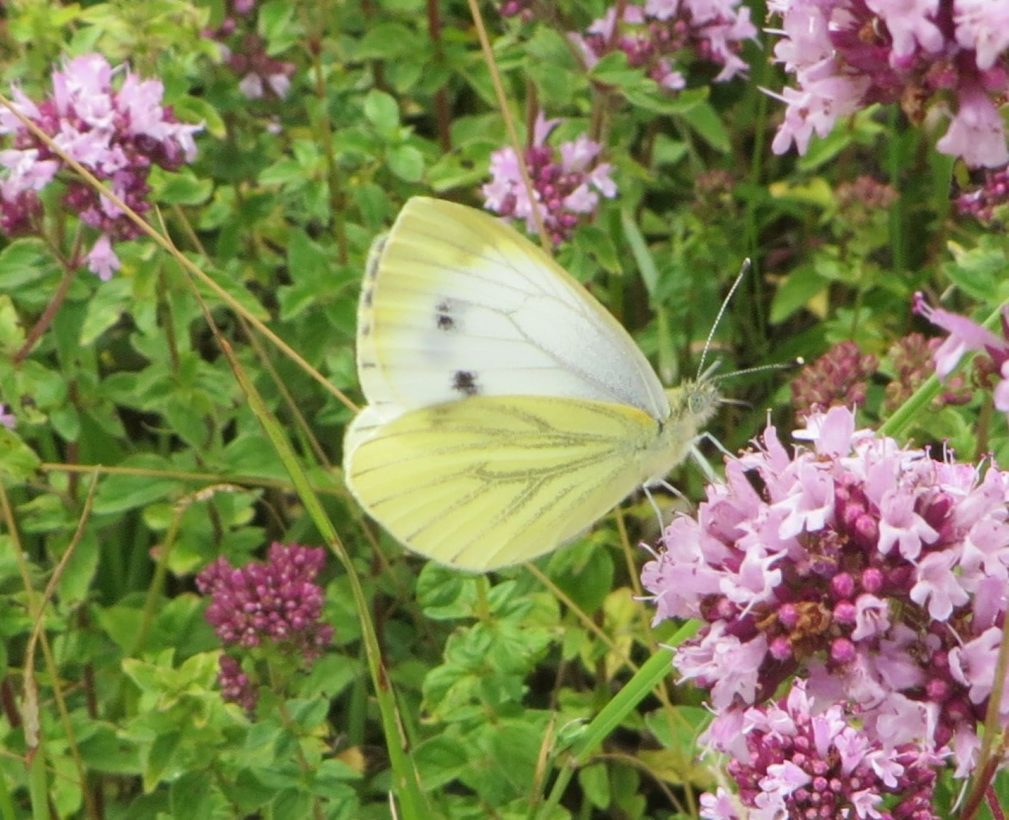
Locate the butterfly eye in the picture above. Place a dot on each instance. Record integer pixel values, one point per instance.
(697, 402)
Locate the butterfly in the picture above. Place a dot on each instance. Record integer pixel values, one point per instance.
(507, 410)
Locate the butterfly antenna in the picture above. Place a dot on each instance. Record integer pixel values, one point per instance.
(743, 270)
(798, 361)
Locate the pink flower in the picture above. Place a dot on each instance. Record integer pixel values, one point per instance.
(982, 25)
(911, 24)
(102, 260)
(976, 132)
(964, 334)
(661, 34)
(117, 134)
(967, 335)
(799, 760)
(24, 171)
(566, 188)
(855, 562)
(849, 54)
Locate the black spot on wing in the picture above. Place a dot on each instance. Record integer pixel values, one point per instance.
(464, 381)
(443, 315)
(368, 296)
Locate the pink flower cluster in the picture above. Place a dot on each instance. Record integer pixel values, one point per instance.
(567, 182)
(245, 53)
(911, 361)
(656, 35)
(277, 601)
(967, 335)
(847, 54)
(236, 686)
(839, 376)
(117, 134)
(790, 759)
(876, 573)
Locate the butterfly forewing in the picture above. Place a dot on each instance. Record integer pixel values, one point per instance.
(456, 304)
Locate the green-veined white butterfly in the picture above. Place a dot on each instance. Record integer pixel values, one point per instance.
(507, 409)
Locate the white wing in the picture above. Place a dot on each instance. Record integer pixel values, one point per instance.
(456, 303)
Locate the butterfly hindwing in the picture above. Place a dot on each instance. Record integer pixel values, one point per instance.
(493, 481)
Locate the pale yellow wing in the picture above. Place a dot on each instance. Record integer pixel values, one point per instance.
(490, 481)
(456, 303)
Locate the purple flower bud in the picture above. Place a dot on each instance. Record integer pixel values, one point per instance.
(844, 613)
(937, 690)
(842, 650)
(842, 585)
(872, 580)
(780, 648)
(788, 615)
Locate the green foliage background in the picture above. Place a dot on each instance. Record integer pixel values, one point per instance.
(139, 458)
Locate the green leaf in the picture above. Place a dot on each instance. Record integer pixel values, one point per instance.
(275, 22)
(613, 69)
(706, 122)
(18, 462)
(117, 493)
(384, 40)
(980, 271)
(444, 594)
(514, 746)
(406, 162)
(652, 97)
(801, 285)
(179, 188)
(440, 760)
(595, 782)
(105, 307)
(66, 421)
(382, 111)
(24, 261)
(80, 569)
(589, 584)
(12, 335)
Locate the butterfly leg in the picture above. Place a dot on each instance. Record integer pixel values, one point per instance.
(655, 506)
(702, 461)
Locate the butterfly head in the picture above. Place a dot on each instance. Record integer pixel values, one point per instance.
(695, 401)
